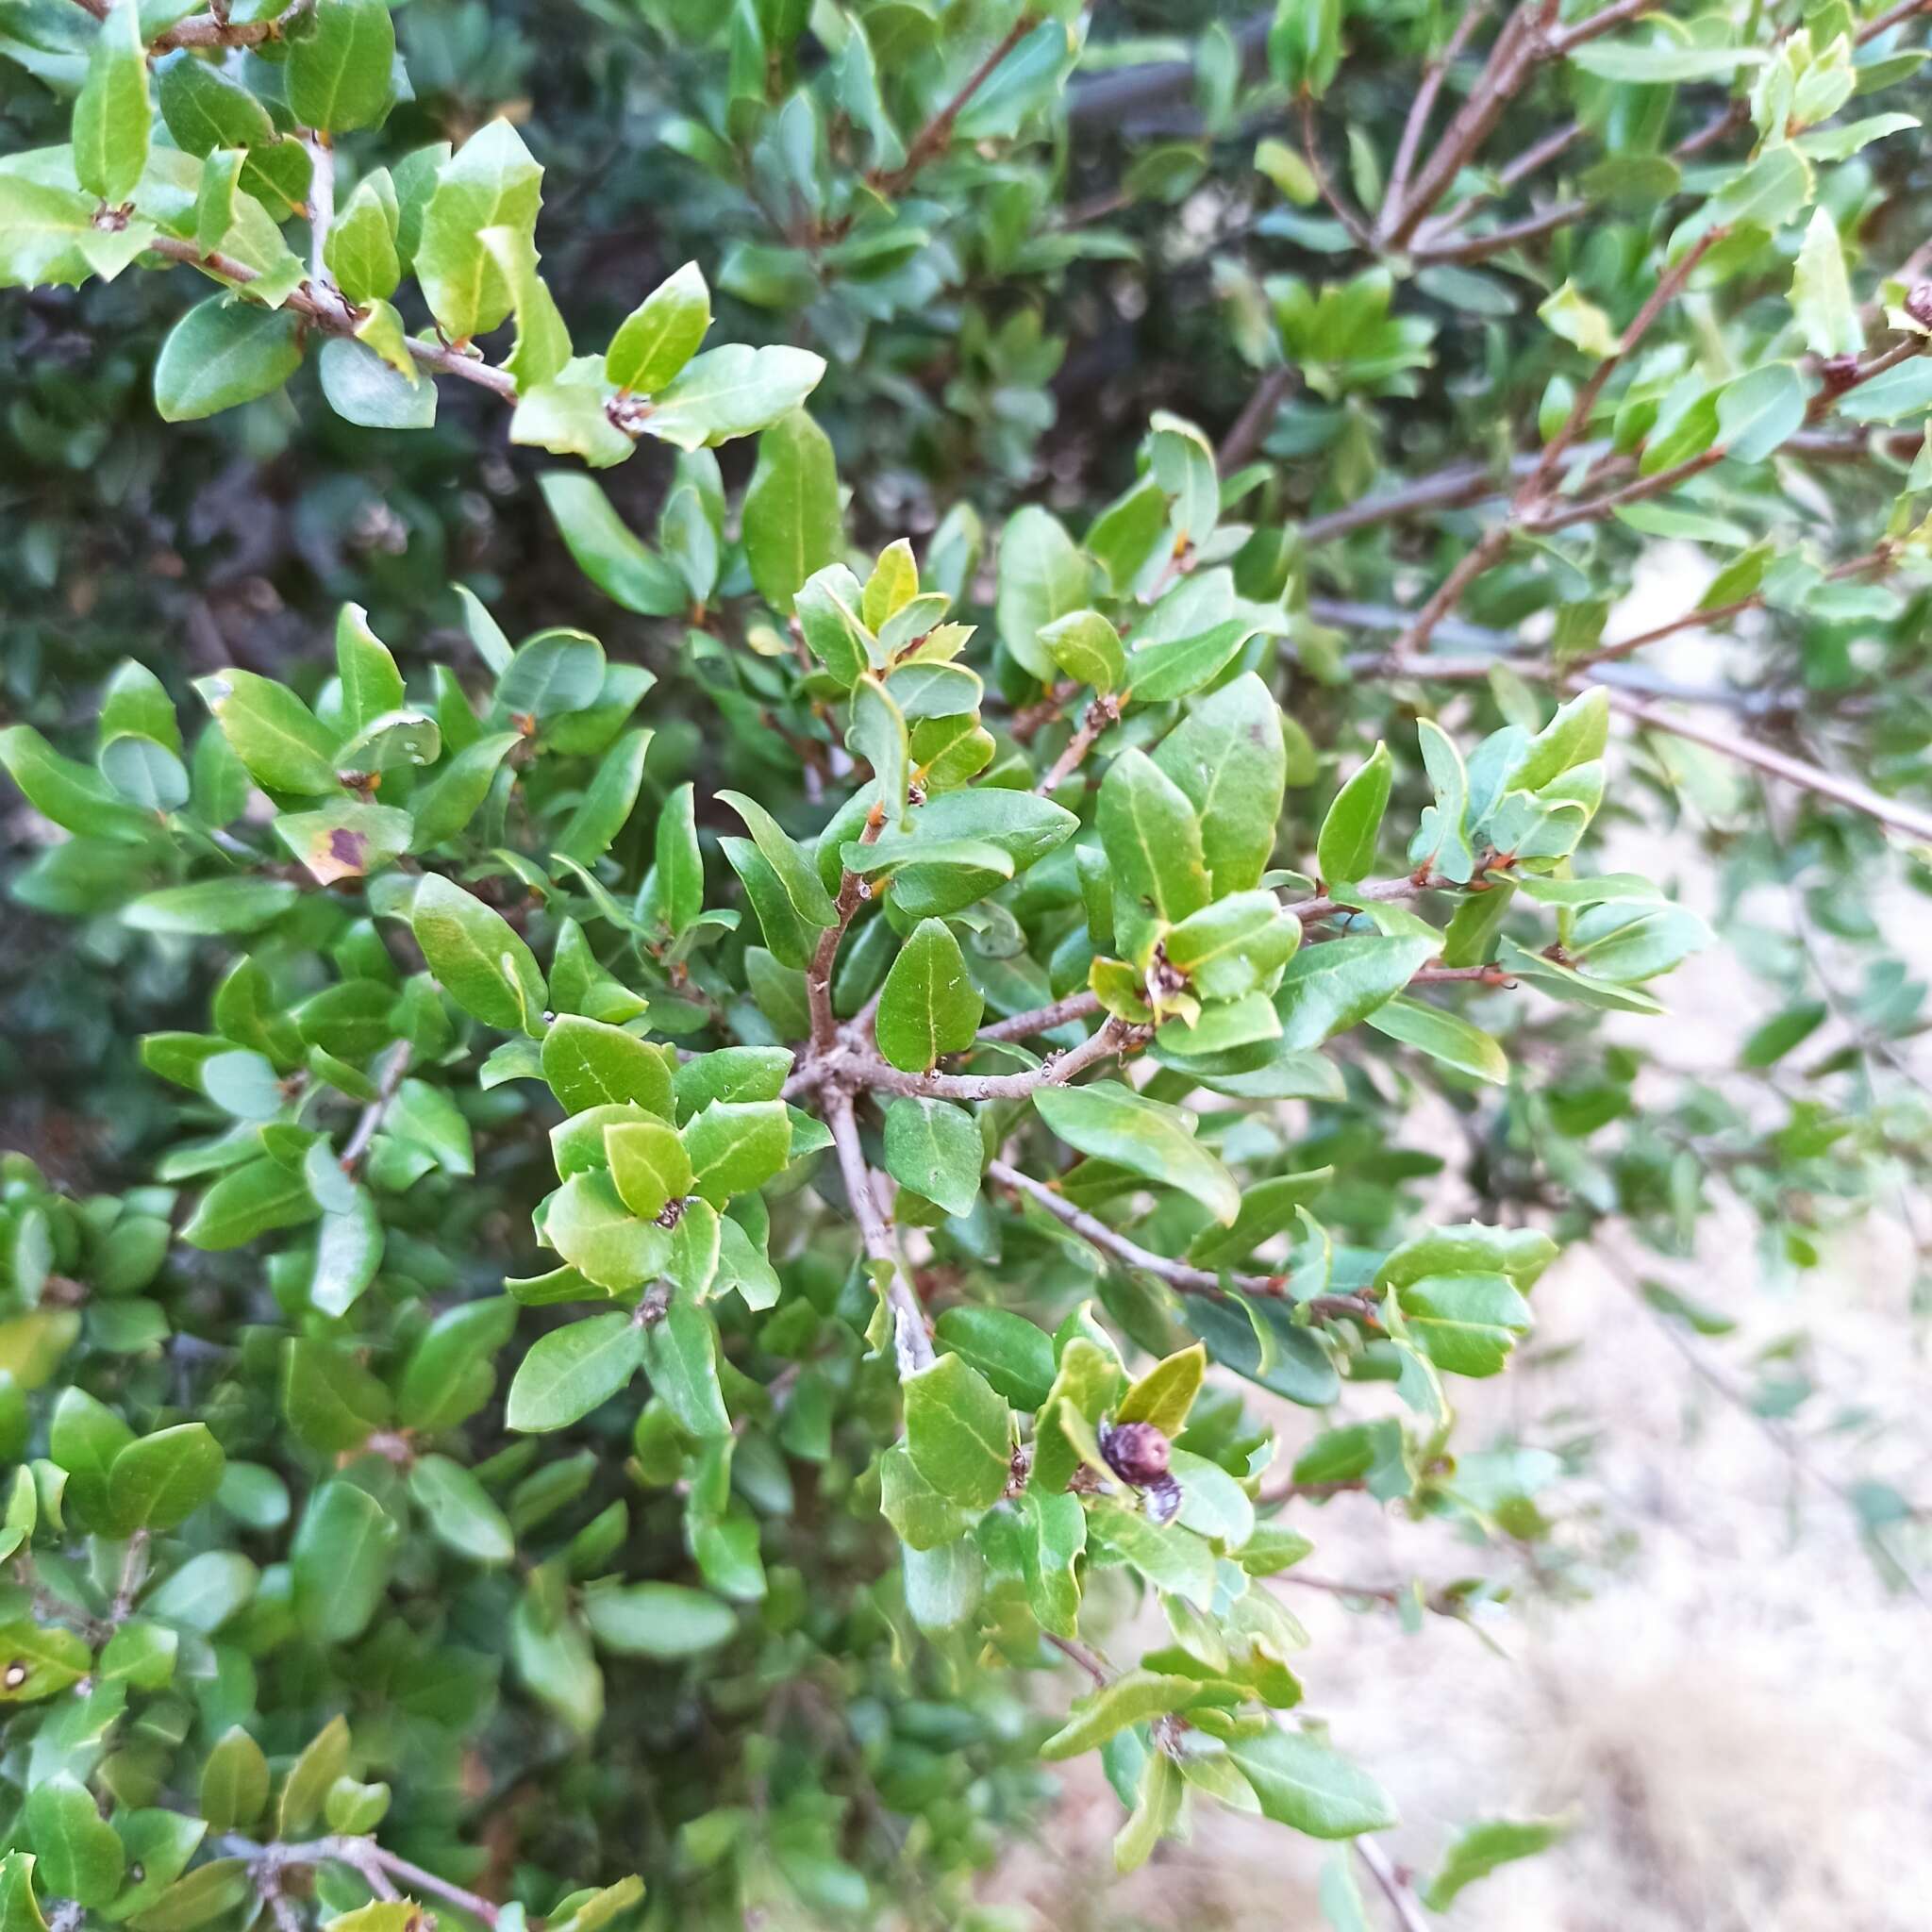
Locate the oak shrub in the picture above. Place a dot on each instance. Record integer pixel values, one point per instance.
(695, 1308)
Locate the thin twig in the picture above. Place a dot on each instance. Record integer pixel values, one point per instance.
(1102, 714)
(1392, 1882)
(372, 1115)
(322, 211)
(1775, 1431)
(1312, 150)
(133, 1575)
(378, 1867)
(1088, 1660)
(852, 890)
(933, 137)
(1250, 429)
(335, 321)
(211, 29)
(1416, 126)
(1901, 816)
(1481, 247)
(1537, 154)
(912, 1344)
(1909, 819)
(1178, 1275)
(1723, 613)
(1659, 298)
(1077, 1006)
(1111, 1039)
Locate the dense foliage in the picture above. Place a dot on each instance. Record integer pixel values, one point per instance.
(663, 1256)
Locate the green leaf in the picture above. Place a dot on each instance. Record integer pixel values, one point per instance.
(1043, 577)
(310, 1779)
(1156, 1812)
(660, 335)
(452, 798)
(1303, 1783)
(340, 1565)
(569, 415)
(1904, 391)
(681, 1357)
(665, 1622)
(1522, 1254)
(928, 1006)
(361, 252)
(1112, 1123)
(1132, 1698)
(551, 676)
(339, 72)
(1345, 850)
(589, 1226)
(1230, 761)
(1480, 1849)
(649, 1166)
(47, 235)
(39, 1660)
(222, 354)
(958, 1432)
(571, 1370)
(478, 958)
(792, 522)
(460, 1511)
(730, 1073)
(827, 611)
(78, 1853)
(112, 118)
(251, 1200)
(363, 388)
(371, 684)
(1166, 1392)
(607, 802)
(944, 1585)
(1330, 988)
(878, 735)
(607, 553)
(1152, 838)
(1177, 667)
(1821, 292)
(542, 349)
(1088, 648)
(1229, 949)
(161, 1480)
(1761, 412)
(732, 391)
(800, 882)
(217, 905)
(281, 741)
(1579, 321)
(1014, 1355)
(935, 1149)
(1053, 1538)
(1465, 1323)
(234, 1782)
(145, 773)
(65, 791)
(1767, 194)
(207, 108)
(736, 1147)
(490, 182)
(1652, 62)
(198, 1897)
(1444, 1036)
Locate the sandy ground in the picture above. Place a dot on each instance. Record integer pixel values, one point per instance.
(1721, 1687)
